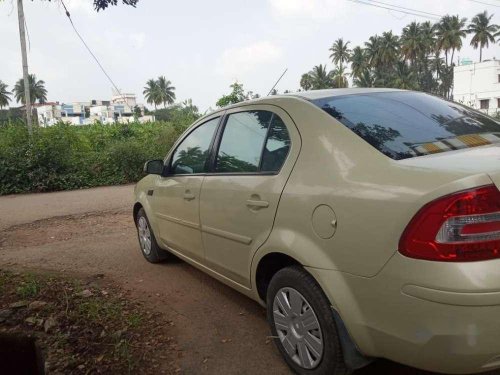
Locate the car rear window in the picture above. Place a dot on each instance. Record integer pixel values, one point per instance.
(406, 124)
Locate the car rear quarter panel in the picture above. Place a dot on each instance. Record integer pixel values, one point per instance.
(373, 196)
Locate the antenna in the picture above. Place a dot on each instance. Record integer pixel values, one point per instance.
(279, 79)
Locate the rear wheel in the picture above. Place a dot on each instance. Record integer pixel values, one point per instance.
(147, 241)
(303, 325)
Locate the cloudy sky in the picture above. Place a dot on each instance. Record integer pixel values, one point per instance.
(201, 46)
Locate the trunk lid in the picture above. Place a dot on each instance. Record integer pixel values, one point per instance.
(471, 161)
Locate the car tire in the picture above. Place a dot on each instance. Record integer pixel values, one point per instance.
(147, 241)
(291, 294)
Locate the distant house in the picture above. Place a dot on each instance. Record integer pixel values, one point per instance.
(478, 85)
(119, 109)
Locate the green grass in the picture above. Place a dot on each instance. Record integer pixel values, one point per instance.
(29, 288)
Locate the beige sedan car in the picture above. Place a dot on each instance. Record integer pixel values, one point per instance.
(367, 221)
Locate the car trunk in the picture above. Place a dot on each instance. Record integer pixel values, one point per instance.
(471, 161)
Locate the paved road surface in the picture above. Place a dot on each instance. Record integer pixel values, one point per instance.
(218, 330)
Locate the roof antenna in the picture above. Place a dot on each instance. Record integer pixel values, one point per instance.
(279, 79)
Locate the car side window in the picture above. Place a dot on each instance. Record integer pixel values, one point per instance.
(191, 155)
(242, 142)
(277, 146)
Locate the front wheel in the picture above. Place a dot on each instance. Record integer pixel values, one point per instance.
(303, 325)
(147, 241)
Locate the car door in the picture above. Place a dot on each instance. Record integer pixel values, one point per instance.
(177, 194)
(253, 156)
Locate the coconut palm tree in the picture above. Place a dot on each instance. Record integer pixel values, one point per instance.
(456, 33)
(36, 87)
(483, 32)
(339, 77)
(166, 91)
(4, 95)
(372, 50)
(443, 36)
(152, 92)
(320, 78)
(389, 49)
(411, 42)
(340, 52)
(306, 81)
(404, 78)
(365, 79)
(358, 61)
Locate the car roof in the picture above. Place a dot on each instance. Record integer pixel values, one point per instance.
(318, 94)
(307, 95)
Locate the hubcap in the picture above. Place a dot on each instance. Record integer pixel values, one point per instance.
(144, 235)
(298, 328)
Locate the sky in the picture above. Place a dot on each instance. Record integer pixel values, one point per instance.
(201, 46)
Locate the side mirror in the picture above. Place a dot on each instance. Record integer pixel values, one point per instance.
(153, 167)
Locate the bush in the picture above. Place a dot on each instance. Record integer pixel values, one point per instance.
(65, 156)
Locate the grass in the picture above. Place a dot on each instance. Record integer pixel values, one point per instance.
(29, 288)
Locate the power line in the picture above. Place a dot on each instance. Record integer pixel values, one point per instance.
(481, 2)
(90, 51)
(412, 12)
(409, 9)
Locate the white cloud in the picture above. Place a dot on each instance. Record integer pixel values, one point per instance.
(137, 39)
(236, 62)
(309, 9)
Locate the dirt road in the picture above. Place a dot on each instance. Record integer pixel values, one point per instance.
(91, 232)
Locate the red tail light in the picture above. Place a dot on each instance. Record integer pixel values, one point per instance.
(460, 227)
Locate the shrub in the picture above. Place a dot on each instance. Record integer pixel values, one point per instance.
(70, 157)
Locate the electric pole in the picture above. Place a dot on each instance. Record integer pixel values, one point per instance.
(22, 35)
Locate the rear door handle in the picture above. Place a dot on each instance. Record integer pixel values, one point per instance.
(257, 204)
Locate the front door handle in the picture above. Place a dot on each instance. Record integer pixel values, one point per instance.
(188, 195)
(257, 203)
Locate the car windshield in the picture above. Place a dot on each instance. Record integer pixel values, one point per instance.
(405, 124)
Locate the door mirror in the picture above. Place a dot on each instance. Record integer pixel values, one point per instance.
(153, 167)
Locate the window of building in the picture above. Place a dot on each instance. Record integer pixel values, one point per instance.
(191, 155)
(484, 104)
(498, 102)
(499, 78)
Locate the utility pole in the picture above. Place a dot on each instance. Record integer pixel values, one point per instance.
(22, 35)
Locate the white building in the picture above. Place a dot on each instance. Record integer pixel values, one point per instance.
(120, 109)
(478, 85)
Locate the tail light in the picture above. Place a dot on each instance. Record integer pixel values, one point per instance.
(460, 227)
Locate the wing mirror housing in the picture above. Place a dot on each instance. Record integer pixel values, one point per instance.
(153, 167)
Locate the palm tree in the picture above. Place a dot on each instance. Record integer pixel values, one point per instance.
(442, 36)
(4, 95)
(456, 33)
(340, 52)
(152, 92)
(37, 90)
(320, 78)
(339, 77)
(389, 49)
(483, 32)
(306, 81)
(358, 61)
(365, 79)
(167, 94)
(411, 42)
(405, 78)
(372, 48)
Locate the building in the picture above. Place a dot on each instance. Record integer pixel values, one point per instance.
(121, 108)
(477, 85)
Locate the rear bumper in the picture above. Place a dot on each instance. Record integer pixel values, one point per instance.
(435, 316)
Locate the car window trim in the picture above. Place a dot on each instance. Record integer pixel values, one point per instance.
(168, 165)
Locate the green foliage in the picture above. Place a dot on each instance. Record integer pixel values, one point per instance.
(158, 91)
(36, 88)
(237, 95)
(65, 156)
